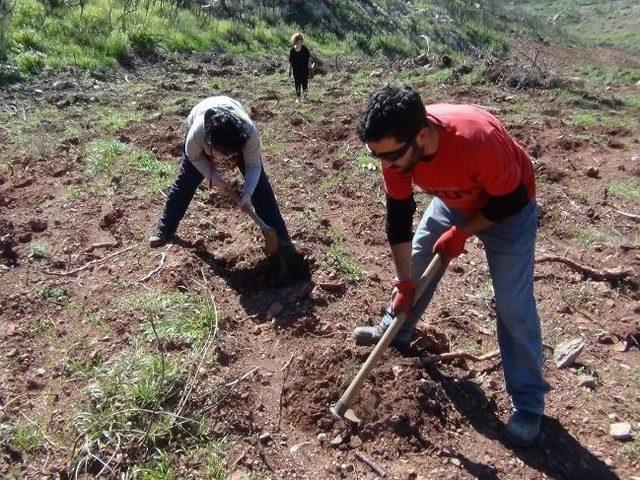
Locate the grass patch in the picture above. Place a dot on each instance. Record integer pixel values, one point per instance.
(610, 76)
(179, 317)
(58, 294)
(590, 237)
(40, 250)
(111, 119)
(626, 189)
(338, 258)
(26, 438)
(114, 160)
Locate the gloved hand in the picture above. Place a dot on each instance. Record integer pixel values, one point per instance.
(451, 243)
(403, 299)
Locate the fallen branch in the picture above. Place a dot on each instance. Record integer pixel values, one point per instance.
(90, 264)
(284, 380)
(628, 215)
(370, 463)
(609, 274)
(625, 247)
(95, 246)
(155, 270)
(449, 356)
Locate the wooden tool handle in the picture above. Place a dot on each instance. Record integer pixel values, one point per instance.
(428, 277)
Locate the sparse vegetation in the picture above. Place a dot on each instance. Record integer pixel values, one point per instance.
(337, 257)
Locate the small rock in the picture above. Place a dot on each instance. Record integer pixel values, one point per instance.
(265, 438)
(347, 467)
(297, 447)
(336, 441)
(397, 370)
(38, 224)
(564, 309)
(566, 353)
(12, 353)
(456, 462)
(613, 417)
(355, 442)
(592, 172)
(40, 372)
(322, 438)
(620, 431)
(588, 381)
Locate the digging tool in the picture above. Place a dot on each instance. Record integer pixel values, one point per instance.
(269, 233)
(341, 408)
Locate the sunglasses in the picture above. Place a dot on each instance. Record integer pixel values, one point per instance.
(393, 155)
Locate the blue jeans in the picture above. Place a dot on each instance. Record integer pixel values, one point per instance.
(184, 188)
(509, 246)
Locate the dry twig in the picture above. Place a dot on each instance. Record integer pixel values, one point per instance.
(371, 464)
(449, 356)
(89, 264)
(155, 270)
(608, 274)
(284, 380)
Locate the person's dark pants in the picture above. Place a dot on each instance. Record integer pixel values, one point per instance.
(184, 188)
(301, 81)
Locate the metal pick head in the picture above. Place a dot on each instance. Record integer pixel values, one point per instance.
(344, 413)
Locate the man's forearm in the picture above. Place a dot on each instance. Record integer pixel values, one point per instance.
(401, 253)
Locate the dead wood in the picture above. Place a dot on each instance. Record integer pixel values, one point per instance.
(449, 356)
(607, 274)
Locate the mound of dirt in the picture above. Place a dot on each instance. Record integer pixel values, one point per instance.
(400, 406)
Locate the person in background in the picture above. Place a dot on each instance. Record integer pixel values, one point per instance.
(299, 56)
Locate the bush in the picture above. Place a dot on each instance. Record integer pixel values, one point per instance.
(143, 43)
(30, 63)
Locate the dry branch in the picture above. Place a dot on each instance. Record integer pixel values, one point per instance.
(371, 464)
(90, 264)
(449, 356)
(608, 274)
(155, 270)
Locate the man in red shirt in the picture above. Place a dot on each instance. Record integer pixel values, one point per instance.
(483, 184)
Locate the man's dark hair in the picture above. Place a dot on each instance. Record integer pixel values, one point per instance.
(392, 111)
(224, 130)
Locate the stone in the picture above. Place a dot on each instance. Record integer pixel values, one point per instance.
(337, 440)
(397, 370)
(566, 353)
(620, 431)
(355, 442)
(588, 381)
(297, 447)
(265, 438)
(322, 438)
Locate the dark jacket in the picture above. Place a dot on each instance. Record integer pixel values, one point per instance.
(299, 61)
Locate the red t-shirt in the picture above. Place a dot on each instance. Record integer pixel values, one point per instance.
(476, 159)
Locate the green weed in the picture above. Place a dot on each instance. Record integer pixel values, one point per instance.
(40, 250)
(179, 317)
(26, 437)
(59, 294)
(338, 258)
(627, 189)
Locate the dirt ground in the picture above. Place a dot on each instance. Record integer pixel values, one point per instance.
(290, 346)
